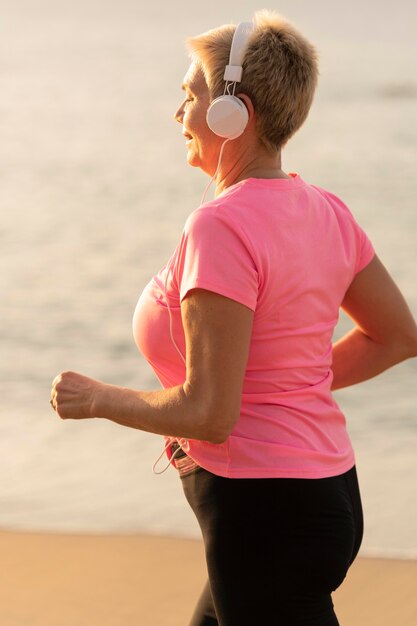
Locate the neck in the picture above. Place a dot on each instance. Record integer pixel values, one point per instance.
(258, 165)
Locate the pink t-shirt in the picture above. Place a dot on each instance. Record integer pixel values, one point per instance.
(288, 250)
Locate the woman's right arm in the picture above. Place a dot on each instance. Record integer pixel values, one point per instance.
(385, 331)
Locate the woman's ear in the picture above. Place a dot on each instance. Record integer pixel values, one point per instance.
(248, 103)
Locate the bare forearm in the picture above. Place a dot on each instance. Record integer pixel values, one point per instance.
(356, 358)
(169, 412)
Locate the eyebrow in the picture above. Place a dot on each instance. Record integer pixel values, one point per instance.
(186, 86)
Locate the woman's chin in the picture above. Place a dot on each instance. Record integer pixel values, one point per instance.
(193, 159)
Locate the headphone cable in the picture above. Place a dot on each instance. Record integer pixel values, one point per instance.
(183, 442)
(215, 173)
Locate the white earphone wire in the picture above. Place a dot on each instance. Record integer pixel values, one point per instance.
(168, 268)
(237, 52)
(215, 173)
(181, 441)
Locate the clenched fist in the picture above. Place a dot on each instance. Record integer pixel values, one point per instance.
(73, 396)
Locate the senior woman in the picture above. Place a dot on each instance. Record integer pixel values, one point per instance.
(238, 328)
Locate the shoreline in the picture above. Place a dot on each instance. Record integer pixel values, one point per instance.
(388, 554)
(54, 579)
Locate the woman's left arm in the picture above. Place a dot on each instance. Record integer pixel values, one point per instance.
(206, 406)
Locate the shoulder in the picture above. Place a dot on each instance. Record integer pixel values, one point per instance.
(336, 203)
(219, 215)
(216, 234)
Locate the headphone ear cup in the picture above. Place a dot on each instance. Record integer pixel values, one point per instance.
(227, 116)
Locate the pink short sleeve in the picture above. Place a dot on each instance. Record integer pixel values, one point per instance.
(213, 255)
(366, 251)
(364, 248)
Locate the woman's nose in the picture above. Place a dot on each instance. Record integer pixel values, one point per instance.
(179, 114)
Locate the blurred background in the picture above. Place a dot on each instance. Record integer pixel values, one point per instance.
(94, 192)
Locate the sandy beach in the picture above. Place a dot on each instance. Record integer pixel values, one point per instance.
(95, 193)
(132, 580)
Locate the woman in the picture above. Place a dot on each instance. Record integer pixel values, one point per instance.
(238, 328)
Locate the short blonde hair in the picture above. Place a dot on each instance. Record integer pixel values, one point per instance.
(280, 72)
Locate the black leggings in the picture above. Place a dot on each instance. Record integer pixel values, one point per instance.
(275, 547)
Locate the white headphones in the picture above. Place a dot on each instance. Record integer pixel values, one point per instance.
(227, 116)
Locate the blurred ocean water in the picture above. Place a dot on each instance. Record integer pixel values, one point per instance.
(94, 193)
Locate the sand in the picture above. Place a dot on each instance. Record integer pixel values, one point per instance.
(135, 580)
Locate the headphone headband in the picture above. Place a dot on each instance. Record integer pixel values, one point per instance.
(233, 71)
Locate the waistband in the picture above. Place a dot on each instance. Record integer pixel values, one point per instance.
(183, 463)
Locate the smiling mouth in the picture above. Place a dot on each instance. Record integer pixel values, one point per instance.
(187, 136)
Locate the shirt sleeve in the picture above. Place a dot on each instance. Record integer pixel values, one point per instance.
(363, 246)
(214, 255)
(366, 250)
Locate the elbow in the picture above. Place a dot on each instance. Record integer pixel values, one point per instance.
(213, 421)
(409, 344)
(412, 347)
(401, 345)
(218, 437)
(220, 420)
(407, 347)
(218, 425)
(215, 429)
